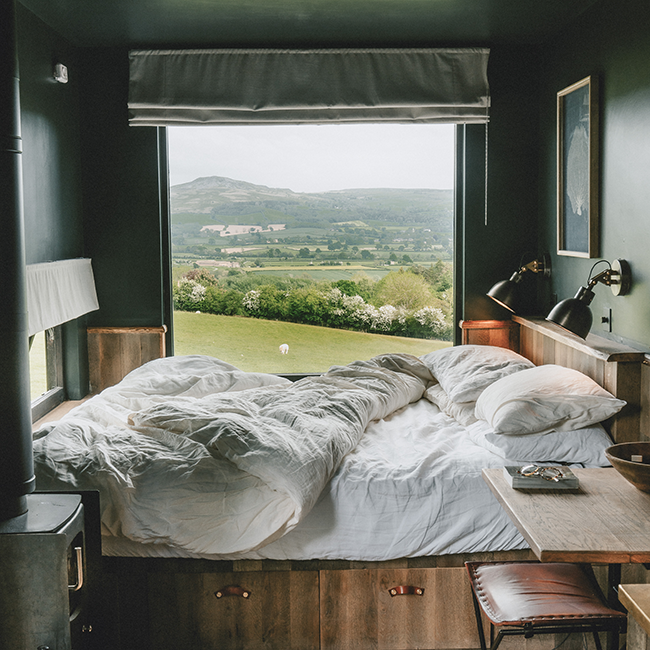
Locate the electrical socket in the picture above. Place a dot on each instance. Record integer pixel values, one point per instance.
(607, 319)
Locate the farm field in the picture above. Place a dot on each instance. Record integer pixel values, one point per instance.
(331, 274)
(328, 273)
(253, 344)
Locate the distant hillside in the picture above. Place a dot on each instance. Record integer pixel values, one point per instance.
(219, 200)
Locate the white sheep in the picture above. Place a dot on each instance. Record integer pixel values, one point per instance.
(284, 349)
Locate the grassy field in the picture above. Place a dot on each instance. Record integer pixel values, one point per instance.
(297, 270)
(253, 345)
(328, 273)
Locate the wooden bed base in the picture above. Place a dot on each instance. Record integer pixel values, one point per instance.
(175, 604)
(328, 605)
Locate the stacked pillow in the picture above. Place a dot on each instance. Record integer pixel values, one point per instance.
(464, 372)
(545, 398)
(506, 398)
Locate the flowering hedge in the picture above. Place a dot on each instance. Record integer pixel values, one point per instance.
(313, 305)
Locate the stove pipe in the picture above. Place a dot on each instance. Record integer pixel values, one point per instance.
(16, 460)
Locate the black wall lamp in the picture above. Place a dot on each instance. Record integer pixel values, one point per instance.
(574, 314)
(505, 292)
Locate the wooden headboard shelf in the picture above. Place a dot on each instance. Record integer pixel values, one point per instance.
(594, 346)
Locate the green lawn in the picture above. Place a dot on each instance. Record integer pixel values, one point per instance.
(253, 345)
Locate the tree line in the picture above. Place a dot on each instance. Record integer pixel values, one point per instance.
(414, 302)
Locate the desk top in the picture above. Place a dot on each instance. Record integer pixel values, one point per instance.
(607, 520)
(636, 599)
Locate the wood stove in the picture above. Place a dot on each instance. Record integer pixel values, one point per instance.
(43, 573)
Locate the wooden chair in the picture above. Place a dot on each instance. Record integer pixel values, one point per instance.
(528, 598)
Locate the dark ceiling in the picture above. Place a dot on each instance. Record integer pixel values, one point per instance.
(305, 23)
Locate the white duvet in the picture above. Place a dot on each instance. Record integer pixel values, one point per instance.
(195, 458)
(191, 453)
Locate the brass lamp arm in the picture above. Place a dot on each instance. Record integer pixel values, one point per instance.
(618, 278)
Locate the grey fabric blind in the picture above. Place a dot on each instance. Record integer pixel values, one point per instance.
(186, 87)
(58, 292)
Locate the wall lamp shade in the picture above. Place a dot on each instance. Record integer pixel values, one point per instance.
(506, 292)
(574, 314)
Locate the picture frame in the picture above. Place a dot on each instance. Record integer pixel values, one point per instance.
(577, 169)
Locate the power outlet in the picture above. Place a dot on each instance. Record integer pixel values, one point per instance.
(607, 319)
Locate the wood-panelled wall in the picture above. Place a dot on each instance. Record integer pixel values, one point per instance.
(645, 399)
(114, 351)
(500, 333)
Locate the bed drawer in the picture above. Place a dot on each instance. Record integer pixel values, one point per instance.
(239, 611)
(432, 608)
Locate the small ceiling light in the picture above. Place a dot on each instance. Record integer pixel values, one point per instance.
(574, 314)
(505, 292)
(61, 73)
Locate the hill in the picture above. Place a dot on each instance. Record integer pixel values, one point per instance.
(220, 200)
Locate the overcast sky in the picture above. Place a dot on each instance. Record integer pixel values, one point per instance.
(312, 158)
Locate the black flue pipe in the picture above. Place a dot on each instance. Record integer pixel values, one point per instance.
(16, 460)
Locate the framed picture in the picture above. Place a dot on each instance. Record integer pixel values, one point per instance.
(577, 169)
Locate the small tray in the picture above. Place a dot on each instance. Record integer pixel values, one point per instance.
(569, 481)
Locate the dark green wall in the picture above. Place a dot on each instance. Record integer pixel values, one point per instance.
(121, 197)
(494, 251)
(92, 168)
(611, 41)
(53, 214)
(90, 182)
(50, 132)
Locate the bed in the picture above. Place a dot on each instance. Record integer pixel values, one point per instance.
(258, 512)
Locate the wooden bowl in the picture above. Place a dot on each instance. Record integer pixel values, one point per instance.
(636, 471)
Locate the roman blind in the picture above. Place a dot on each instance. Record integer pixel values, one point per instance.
(58, 292)
(210, 86)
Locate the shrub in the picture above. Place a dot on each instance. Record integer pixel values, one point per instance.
(271, 301)
(403, 289)
(307, 305)
(221, 301)
(188, 294)
(202, 276)
(318, 303)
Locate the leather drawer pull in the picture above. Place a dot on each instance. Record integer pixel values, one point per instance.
(232, 590)
(405, 590)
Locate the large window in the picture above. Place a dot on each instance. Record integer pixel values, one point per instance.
(335, 240)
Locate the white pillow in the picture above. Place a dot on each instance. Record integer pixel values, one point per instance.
(586, 446)
(465, 370)
(462, 412)
(545, 398)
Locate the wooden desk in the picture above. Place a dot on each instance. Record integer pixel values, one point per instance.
(636, 599)
(607, 520)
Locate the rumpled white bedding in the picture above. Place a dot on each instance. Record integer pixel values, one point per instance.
(412, 487)
(195, 458)
(193, 453)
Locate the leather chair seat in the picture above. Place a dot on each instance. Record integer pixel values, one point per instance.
(534, 597)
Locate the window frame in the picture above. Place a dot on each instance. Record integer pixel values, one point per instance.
(460, 185)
